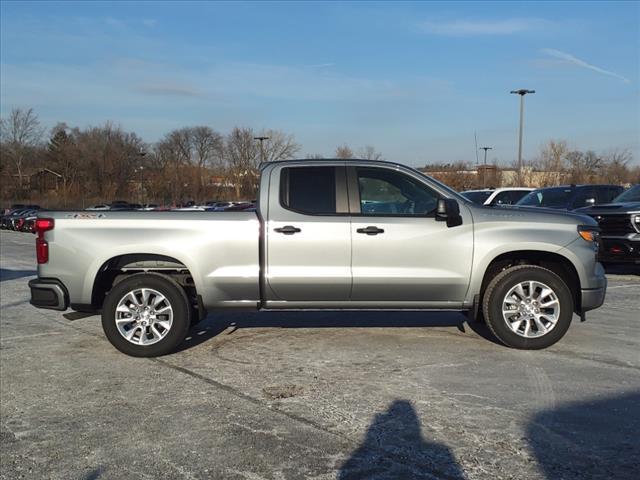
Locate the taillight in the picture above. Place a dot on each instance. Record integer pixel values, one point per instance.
(42, 247)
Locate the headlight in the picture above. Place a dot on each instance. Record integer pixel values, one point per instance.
(589, 233)
(635, 221)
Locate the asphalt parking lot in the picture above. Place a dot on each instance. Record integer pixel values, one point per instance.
(391, 395)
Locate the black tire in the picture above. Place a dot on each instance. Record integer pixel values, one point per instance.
(498, 289)
(176, 297)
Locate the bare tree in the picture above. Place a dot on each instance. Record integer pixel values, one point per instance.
(368, 152)
(344, 152)
(208, 150)
(278, 146)
(64, 158)
(616, 167)
(551, 162)
(19, 132)
(584, 167)
(243, 158)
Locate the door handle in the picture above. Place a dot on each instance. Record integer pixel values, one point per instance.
(370, 230)
(288, 230)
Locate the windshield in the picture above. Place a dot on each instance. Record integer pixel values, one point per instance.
(477, 196)
(547, 197)
(631, 195)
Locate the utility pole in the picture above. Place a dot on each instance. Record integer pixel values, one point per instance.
(484, 171)
(261, 140)
(141, 170)
(522, 92)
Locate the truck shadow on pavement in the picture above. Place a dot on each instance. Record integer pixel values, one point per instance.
(217, 323)
(8, 274)
(394, 448)
(593, 439)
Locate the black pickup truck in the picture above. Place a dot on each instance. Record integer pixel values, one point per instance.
(620, 227)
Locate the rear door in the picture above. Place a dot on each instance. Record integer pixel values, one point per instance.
(308, 236)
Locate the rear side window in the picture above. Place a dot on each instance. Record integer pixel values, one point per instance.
(309, 190)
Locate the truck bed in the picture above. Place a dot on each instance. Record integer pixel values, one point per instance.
(219, 250)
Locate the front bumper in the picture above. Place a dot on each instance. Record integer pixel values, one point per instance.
(620, 250)
(49, 293)
(592, 298)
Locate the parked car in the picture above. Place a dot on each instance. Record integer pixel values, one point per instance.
(497, 196)
(620, 227)
(222, 206)
(5, 220)
(18, 221)
(570, 197)
(312, 245)
(240, 206)
(98, 207)
(147, 207)
(14, 219)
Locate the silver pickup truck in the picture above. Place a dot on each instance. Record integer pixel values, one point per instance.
(327, 234)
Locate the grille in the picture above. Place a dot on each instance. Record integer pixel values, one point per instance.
(615, 224)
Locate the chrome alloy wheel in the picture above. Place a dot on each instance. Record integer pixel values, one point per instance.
(531, 309)
(144, 316)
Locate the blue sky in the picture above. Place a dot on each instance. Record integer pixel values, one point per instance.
(415, 80)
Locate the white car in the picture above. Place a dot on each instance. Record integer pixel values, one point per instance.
(99, 207)
(497, 196)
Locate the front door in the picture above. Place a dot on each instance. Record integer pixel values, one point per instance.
(308, 235)
(400, 252)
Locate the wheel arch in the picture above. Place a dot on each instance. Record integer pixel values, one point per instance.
(557, 263)
(118, 267)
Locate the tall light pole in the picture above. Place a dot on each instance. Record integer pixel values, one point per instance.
(522, 92)
(261, 140)
(484, 171)
(141, 154)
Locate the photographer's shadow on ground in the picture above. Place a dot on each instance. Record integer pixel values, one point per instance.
(394, 448)
(592, 439)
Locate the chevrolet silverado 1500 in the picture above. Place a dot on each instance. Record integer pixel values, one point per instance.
(327, 234)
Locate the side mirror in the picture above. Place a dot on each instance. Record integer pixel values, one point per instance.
(448, 210)
(589, 202)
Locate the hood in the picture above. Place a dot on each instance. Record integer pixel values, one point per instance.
(605, 208)
(529, 214)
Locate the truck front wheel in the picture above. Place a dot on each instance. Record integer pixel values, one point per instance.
(528, 307)
(146, 315)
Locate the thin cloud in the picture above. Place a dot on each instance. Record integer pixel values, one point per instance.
(464, 28)
(170, 90)
(149, 22)
(568, 58)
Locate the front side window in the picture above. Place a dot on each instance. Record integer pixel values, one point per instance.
(386, 192)
(310, 190)
(582, 196)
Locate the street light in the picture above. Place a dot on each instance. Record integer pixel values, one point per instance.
(522, 92)
(141, 154)
(484, 171)
(261, 140)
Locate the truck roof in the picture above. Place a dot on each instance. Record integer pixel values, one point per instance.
(321, 160)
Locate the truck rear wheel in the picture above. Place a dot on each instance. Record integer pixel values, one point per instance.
(528, 307)
(146, 315)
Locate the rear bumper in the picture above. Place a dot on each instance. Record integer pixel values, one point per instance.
(49, 293)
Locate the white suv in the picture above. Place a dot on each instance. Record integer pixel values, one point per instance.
(497, 196)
